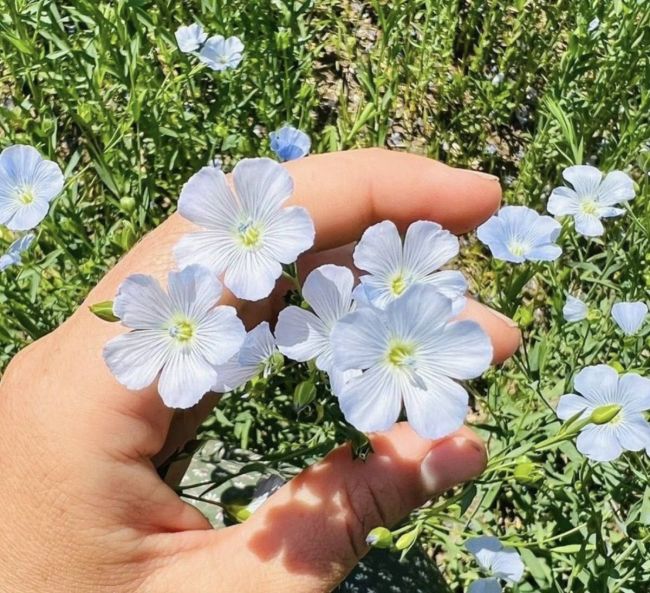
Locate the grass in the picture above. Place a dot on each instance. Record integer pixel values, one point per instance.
(101, 88)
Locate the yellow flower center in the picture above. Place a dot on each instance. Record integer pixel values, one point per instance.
(182, 330)
(26, 196)
(401, 354)
(518, 248)
(249, 234)
(589, 207)
(398, 285)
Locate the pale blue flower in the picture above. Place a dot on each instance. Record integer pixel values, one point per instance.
(593, 25)
(499, 562)
(247, 234)
(220, 54)
(601, 386)
(28, 183)
(179, 335)
(408, 353)
(591, 198)
(304, 335)
(16, 249)
(254, 359)
(190, 38)
(630, 316)
(517, 234)
(574, 309)
(394, 266)
(498, 78)
(290, 143)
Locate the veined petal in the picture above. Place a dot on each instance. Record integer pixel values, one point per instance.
(609, 212)
(598, 384)
(633, 433)
(450, 283)
(47, 180)
(28, 216)
(585, 179)
(289, 233)
(258, 346)
(232, 375)
(141, 303)
(290, 143)
(484, 548)
(630, 316)
(617, 187)
(262, 186)
(427, 247)
(634, 393)
(213, 249)
(486, 585)
(563, 201)
(328, 290)
(219, 335)
(371, 401)
(379, 250)
(300, 334)
(588, 225)
(545, 253)
(574, 309)
(572, 404)
(253, 275)
(359, 339)
(194, 290)
(419, 313)
(185, 379)
(599, 442)
(507, 565)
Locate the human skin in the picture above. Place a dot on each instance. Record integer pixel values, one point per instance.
(83, 507)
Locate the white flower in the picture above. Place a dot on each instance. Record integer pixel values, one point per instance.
(190, 38)
(498, 78)
(290, 143)
(408, 353)
(28, 183)
(603, 392)
(15, 251)
(252, 360)
(303, 335)
(630, 316)
(220, 54)
(574, 309)
(179, 335)
(591, 198)
(395, 267)
(246, 234)
(593, 25)
(517, 234)
(499, 562)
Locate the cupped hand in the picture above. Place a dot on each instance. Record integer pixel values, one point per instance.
(83, 507)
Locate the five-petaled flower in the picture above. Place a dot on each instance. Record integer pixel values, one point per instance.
(13, 255)
(190, 38)
(408, 353)
(574, 309)
(247, 234)
(28, 183)
(179, 336)
(220, 54)
(591, 198)
(394, 267)
(517, 234)
(615, 404)
(499, 562)
(630, 316)
(290, 143)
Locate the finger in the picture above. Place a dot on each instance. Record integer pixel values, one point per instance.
(311, 533)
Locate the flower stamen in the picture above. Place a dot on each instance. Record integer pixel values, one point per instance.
(249, 234)
(182, 330)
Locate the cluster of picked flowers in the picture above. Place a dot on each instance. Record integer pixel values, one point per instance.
(216, 52)
(28, 184)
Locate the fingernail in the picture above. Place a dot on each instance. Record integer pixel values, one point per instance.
(509, 322)
(451, 462)
(485, 175)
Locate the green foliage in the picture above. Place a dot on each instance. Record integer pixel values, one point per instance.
(101, 88)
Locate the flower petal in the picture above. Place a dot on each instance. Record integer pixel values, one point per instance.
(359, 339)
(328, 290)
(185, 379)
(220, 335)
(634, 393)
(487, 585)
(212, 249)
(599, 442)
(630, 316)
(379, 250)
(28, 216)
(258, 346)
(633, 434)
(141, 303)
(252, 276)
(545, 253)
(585, 179)
(427, 247)
(508, 565)
(194, 291)
(289, 233)
(300, 334)
(597, 384)
(563, 201)
(572, 404)
(617, 187)
(484, 548)
(574, 309)
(262, 186)
(588, 225)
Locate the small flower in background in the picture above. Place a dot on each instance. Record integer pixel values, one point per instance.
(518, 234)
(246, 235)
(593, 25)
(498, 78)
(574, 309)
(290, 143)
(253, 359)
(394, 266)
(220, 54)
(303, 335)
(501, 563)
(28, 183)
(190, 38)
(630, 316)
(615, 404)
(591, 198)
(409, 353)
(179, 335)
(16, 249)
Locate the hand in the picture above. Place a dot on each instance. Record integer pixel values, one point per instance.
(83, 508)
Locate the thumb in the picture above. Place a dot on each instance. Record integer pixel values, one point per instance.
(309, 535)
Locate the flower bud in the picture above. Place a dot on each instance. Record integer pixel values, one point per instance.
(615, 364)
(527, 472)
(127, 204)
(104, 310)
(407, 540)
(304, 394)
(380, 537)
(605, 414)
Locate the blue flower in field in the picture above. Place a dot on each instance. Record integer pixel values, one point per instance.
(408, 354)
(593, 25)
(517, 234)
(15, 251)
(630, 316)
(394, 266)
(290, 143)
(220, 54)
(305, 335)
(28, 183)
(574, 309)
(252, 360)
(246, 234)
(590, 197)
(190, 38)
(501, 563)
(179, 336)
(616, 406)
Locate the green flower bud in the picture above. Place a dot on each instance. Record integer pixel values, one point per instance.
(127, 204)
(238, 512)
(605, 414)
(527, 472)
(407, 540)
(104, 310)
(593, 315)
(304, 394)
(615, 364)
(380, 537)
